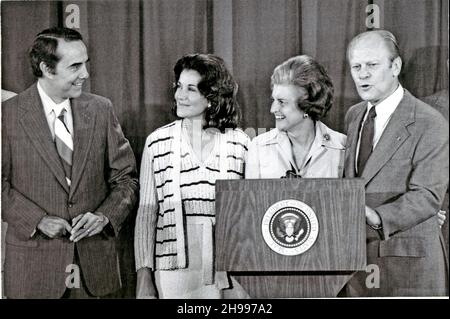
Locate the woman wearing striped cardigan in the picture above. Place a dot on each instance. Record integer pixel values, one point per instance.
(180, 164)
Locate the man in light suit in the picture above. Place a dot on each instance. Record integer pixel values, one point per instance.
(68, 179)
(399, 146)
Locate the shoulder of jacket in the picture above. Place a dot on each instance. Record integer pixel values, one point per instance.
(99, 100)
(162, 132)
(266, 138)
(237, 134)
(332, 138)
(356, 107)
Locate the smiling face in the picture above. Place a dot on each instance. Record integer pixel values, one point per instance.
(70, 72)
(374, 74)
(288, 115)
(190, 102)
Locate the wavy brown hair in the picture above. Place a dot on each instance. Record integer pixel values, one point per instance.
(216, 85)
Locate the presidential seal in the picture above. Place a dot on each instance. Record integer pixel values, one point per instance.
(290, 227)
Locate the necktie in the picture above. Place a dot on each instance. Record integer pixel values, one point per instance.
(64, 144)
(366, 143)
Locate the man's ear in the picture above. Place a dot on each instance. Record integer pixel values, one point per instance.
(46, 70)
(397, 66)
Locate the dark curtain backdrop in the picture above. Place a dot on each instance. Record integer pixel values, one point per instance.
(134, 44)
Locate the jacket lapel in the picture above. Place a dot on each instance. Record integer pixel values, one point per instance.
(319, 142)
(84, 122)
(393, 137)
(35, 125)
(352, 141)
(285, 149)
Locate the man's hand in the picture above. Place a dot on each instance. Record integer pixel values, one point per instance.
(87, 225)
(145, 287)
(53, 226)
(372, 218)
(441, 217)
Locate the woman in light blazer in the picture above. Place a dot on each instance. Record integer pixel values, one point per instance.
(301, 145)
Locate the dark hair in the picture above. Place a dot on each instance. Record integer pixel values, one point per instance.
(216, 85)
(304, 72)
(389, 40)
(45, 45)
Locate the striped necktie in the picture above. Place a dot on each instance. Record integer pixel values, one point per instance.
(64, 144)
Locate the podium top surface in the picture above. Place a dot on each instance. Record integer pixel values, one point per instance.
(291, 183)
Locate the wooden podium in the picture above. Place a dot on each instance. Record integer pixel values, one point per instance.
(323, 269)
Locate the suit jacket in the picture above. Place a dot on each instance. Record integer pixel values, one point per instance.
(34, 185)
(405, 180)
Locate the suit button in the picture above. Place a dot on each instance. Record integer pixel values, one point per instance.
(70, 204)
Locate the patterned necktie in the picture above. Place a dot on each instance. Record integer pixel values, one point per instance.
(64, 144)
(366, 143)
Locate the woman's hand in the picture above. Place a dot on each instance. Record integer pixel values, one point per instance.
(145, 286)
(441, 217)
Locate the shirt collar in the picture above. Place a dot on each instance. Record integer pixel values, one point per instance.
(50, 105)
(327, 137)
(386, 107)
(324, 137)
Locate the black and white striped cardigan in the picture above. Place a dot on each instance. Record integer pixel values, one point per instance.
(160, 196)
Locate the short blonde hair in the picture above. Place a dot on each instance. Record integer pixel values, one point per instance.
(389, 40)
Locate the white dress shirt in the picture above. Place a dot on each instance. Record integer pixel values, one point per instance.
(384, 111)
(52, 110)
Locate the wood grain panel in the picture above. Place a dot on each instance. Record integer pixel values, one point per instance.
(339, 249)
(294, 284)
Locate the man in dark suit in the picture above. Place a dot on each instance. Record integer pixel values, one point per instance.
(68, 179)
(399, 146)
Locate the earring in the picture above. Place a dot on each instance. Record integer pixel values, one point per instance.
(305, 115)
(209, 105)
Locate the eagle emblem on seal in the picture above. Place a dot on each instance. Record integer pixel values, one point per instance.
(289, 228)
